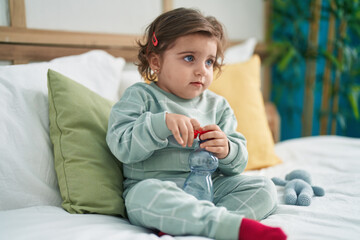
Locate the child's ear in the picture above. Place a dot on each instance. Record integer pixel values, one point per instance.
(154, 61)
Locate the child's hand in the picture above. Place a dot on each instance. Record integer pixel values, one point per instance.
(217, 142)
(182, 127)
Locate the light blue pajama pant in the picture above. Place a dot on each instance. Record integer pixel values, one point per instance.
(164, 206)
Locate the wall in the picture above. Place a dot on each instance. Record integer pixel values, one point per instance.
(242, 18)
(4, 17)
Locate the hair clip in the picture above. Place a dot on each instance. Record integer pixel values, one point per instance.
(154, 40)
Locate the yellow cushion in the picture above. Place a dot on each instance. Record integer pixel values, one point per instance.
(240, 84)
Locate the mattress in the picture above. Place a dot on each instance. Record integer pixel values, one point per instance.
(334, 164)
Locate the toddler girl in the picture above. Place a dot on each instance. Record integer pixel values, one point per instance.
(151, 131)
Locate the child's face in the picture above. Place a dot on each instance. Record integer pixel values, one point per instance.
(186, 68)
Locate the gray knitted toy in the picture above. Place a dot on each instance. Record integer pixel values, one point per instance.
(298, 189)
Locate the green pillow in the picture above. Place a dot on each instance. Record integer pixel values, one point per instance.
(90, 177)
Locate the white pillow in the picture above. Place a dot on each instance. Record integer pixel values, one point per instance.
(241, 52)
(27, 175)
(128, 78)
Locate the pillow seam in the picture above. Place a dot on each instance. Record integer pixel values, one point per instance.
(60, 143)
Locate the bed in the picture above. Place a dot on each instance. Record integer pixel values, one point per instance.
(45, 115)
(334, 216)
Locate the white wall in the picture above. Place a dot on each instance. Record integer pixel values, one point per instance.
(4, 13)
(242, 18)
(108, 16)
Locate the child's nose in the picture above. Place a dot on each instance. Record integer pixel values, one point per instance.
(201, 69)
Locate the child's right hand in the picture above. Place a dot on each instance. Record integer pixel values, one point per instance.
(182, 127)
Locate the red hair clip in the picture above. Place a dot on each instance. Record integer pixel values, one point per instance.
(154, 40)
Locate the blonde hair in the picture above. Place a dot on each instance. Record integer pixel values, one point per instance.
(169, 26)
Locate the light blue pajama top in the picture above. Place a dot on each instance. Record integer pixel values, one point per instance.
(138, 136)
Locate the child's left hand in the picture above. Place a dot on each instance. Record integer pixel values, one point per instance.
(217, 141)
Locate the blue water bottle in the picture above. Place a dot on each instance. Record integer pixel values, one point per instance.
(202, 164)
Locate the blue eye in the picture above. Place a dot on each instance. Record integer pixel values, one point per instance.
(189, 58)
(209, 62)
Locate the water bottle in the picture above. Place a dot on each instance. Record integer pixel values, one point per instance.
(202, 164)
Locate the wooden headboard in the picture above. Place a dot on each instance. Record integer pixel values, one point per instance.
(22, 45)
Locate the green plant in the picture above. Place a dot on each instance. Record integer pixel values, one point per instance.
(296, 54)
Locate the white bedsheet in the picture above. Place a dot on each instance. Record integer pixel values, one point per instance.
(50, 222)
(334, 163)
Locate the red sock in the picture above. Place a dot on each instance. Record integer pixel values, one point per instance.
(253, 230)
(160, 233)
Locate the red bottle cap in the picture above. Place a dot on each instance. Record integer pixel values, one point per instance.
(199, 132)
